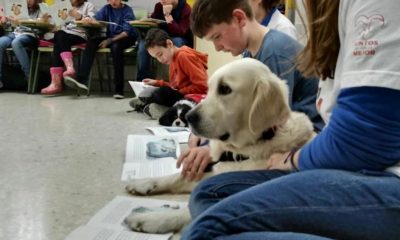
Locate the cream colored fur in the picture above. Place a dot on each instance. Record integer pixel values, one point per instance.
(244, 99)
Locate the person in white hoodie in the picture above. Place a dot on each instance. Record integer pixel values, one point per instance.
(64, 39)
(267, 14)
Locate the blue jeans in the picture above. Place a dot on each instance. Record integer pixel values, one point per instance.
(144, 58)
(314, 204)
(18, 45)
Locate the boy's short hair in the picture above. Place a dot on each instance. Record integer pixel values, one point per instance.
(269, 4)
(156, 37)
(206, 13)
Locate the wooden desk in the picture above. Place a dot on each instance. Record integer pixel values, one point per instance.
(143, 26)
(37, 24)
(89, 24)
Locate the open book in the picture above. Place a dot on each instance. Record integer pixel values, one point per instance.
(139, 87)
(150, 156)
(147, 21)
(108, 223)
(181, 133)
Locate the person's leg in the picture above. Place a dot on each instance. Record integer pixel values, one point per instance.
(165, 96)
(327, 203)
(117, 53)
(19, 46)
(221, 186)
(160, 101)
(273, 236)
(5, 42)
(62, 55)
(143, 62)
(82, 76)
(87, 59)
(179, 42)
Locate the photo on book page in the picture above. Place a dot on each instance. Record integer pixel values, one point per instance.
(108, 223)
(150, 156)
(16, 8)
(181, 133)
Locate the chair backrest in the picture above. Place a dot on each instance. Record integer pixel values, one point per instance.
(141, 13)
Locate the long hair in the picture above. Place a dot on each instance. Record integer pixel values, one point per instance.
(320, 54)
(35, 7)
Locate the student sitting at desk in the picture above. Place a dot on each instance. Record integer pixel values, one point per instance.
(63, 40)
(119, 36)
(19, 39)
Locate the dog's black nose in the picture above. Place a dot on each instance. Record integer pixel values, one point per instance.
(192, 117)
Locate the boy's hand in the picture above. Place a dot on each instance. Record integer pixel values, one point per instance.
(105, 43)
(194, 161)
(149, 81)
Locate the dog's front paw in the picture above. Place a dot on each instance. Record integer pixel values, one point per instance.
(153, 222)
(141, 187)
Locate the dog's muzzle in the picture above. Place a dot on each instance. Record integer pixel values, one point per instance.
(193, 119)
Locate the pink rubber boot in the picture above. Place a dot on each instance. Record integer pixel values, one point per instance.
(55, 85)
(69, 64)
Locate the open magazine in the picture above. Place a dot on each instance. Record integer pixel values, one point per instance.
(108, 223)
(181, 133)
(150, 156)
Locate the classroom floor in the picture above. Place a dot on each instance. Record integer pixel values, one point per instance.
(60, 161)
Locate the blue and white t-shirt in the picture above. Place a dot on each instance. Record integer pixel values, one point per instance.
(361, 105)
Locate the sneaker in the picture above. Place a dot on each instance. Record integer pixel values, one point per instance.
(72, 83)
(136, 103)
(154, 110)
(118, 96)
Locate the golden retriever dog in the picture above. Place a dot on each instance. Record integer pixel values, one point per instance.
(246, 112)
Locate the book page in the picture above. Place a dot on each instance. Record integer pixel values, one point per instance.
(138, 87)
(181, 133)
(89, 232)
(115, 212)
(17, 9)
(150, 156)
(108, 222)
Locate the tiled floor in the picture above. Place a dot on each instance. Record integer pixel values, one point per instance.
(60, 161)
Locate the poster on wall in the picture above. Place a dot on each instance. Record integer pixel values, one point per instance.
(58, 12)
(17, 9)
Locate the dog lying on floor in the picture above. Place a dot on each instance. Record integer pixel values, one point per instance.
(175, 116)
(246, 112)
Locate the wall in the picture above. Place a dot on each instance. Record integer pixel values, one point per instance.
(215, 59)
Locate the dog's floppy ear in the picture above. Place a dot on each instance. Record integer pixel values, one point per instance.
(168, 117)
(269, 107)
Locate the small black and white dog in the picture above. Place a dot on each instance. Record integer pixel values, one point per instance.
(175, 116)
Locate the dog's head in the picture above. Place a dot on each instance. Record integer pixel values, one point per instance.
(176, 115)
(244, 100)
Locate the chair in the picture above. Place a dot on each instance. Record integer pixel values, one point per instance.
(130, 50)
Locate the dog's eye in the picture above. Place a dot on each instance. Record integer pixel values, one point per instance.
(224, 89)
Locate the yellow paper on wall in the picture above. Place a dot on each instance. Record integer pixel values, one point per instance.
(190, 2)
(49, 2)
